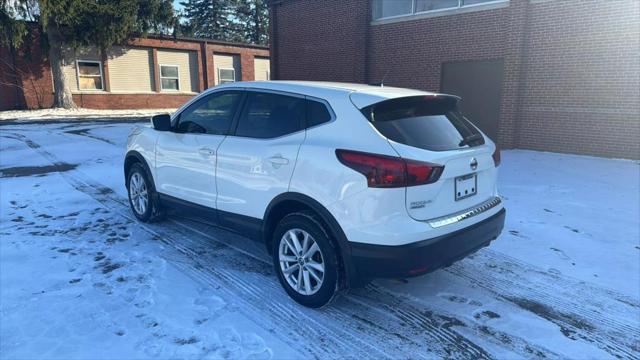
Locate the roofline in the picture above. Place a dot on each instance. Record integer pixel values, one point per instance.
(207, 40)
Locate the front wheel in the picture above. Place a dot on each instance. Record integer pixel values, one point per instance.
(141, 199)
(305, 260)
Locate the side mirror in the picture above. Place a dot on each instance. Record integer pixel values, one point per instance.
(161, 122)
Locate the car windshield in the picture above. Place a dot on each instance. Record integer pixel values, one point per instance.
(427, 122)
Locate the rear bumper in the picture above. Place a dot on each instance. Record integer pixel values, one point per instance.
(384, 261)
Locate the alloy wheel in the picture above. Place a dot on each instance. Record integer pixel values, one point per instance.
(301, 261)
(138, 193)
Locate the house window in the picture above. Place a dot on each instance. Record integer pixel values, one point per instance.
(383, 9)
(226, 75)
(169, 78)
(89, 75)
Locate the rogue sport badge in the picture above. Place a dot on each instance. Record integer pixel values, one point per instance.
(473, 164)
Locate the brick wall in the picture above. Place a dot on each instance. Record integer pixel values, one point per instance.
(25, 79)
(320, 40)
(411, 53)
(9, 91)
(571, 67)
(25, 75)
(247, 54)
(582, 78)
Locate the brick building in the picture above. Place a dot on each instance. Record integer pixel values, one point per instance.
(153, 72)
(553, 75)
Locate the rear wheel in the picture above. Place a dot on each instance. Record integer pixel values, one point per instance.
(142, 198)
(305, 260)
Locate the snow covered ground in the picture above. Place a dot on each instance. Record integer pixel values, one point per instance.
(80, 278)
(82, 114)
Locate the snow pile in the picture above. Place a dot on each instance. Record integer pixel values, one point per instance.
(80, 113)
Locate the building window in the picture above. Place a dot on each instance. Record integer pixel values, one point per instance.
(89, 75)
(383, 9)
(226, 75)
(431, 5)
(169, 78)
(390, 8)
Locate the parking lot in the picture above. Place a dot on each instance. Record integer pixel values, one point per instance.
(81, 277)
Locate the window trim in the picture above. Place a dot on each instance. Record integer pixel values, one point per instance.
(168, 77)
(78, 76)
(439, 12)
(175, 117)
(220, 78)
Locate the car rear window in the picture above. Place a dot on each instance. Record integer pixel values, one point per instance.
(427, 122)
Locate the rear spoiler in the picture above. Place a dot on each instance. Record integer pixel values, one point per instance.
(362, 99)
(410, 106)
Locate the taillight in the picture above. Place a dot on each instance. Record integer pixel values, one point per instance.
(383, 171)
(380, 170)
(496, 156)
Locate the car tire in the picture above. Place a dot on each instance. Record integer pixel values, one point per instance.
(142, 197)
(312, 278)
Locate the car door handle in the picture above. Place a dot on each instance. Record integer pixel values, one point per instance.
(278, 160)
(206, 151)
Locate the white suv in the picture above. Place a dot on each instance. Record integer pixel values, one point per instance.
(342, 182)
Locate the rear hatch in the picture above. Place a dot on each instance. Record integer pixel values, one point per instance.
(430, 128)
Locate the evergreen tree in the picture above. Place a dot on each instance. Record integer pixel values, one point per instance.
(252, 21)
(228, 20)
(207, 19)
(79, 23)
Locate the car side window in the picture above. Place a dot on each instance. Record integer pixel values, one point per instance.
(317, 113)
(210, 115)
(268, 115)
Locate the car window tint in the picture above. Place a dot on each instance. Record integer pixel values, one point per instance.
(426, 122)
(317, 113)
(211, 115)
(270, 115)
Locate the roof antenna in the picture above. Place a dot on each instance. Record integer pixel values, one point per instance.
(381, 83)
(384, 77)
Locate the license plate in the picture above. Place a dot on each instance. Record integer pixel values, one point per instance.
(466, 186)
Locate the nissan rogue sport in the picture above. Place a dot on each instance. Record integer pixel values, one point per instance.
(342, 182)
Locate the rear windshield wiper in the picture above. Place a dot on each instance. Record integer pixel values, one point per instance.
(470, 139)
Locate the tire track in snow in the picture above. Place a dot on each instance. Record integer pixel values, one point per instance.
(405, 311)
(85, 132)
(415, 326)
(380, 323)
(425, 318)
(574, 306)
(446, 341)
(338, 342)
(284, 319)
